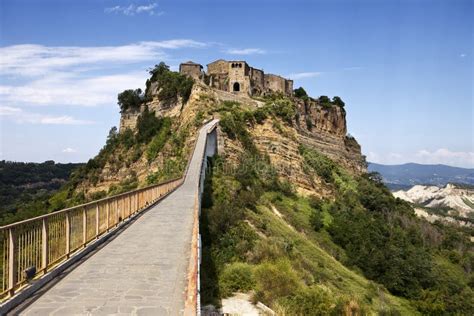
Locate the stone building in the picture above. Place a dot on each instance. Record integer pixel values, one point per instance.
(191, 69)
(238, 77)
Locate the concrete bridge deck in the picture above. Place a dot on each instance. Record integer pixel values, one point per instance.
(143, 270)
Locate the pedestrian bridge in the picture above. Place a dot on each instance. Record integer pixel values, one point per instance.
(136, 253)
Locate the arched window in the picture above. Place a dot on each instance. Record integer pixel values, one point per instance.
(236, 87)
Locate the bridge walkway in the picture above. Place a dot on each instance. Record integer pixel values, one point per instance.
(143, 270)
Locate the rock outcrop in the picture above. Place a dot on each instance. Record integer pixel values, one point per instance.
(320, 127)
(325, 129)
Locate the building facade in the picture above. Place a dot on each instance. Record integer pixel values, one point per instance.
(238, 77)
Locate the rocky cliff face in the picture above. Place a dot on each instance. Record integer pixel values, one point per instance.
(320, 127)
(325, 129)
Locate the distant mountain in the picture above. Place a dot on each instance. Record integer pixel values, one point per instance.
(407, 175)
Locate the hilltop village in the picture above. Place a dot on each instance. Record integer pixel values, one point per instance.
(237, 77)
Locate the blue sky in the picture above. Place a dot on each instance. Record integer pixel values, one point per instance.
(404, 68)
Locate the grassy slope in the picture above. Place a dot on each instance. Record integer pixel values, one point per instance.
(323, 266)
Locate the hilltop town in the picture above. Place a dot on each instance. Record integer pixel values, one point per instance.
(237, 77)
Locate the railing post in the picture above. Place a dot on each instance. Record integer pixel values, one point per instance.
(12, 261)
(117, 212)
(129, 197)
(84, 227)
(107, 212)
(97, 220)
(45, 246)
(68, 234)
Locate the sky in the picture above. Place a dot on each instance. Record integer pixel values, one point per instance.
(404, 68)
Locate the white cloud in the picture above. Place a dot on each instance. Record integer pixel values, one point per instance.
(20, 116)
(133, 9)
(245, 51)
(446, 156)
(34, 60)
(71, 89)
(69, 150)
(304, 75)
(79, 76)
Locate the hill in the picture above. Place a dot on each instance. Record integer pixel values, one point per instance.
(289, 214)
(22, 185)
(410, 174)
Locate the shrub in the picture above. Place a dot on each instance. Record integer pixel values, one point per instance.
(148, 125)
(316, 220)
(260, 115)
(323, 166)
(127, 138)
(309, 123)
(159, 140)
(314, 300)
(325, 101)
(98, 195)
(235, 277)
(338, 101)
(283, 108)
(171, 84)
(130, 99)
(274, 281)
(300, 93)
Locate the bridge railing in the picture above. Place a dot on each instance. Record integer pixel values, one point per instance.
(30, 248)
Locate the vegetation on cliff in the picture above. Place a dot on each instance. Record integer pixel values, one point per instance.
(170, 84)
(305, 255)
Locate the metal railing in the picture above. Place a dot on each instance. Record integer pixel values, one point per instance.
(32, 247)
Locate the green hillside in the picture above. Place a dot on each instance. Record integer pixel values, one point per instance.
(359, 252)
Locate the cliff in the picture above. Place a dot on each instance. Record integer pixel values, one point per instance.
(319, 126)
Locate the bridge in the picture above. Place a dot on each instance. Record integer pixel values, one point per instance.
(136, 253)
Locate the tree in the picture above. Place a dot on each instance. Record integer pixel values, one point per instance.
(338, 101)
(158, 71)
(300, 93)
(130, 99)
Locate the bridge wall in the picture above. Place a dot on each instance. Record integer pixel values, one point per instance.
(192, 304)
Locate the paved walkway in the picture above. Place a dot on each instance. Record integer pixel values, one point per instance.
(143, 270)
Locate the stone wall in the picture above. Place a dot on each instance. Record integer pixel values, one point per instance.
(275, 83)
(257, 80)
(218, 67)
(191, 69)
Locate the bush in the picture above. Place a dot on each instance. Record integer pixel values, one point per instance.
(325, 101)
(338, 101)
(260, 115)
(316, 220)
(300, 93)
(130, 99)
(274, 281)
(236, 277)
(283, 108)
(148, 125)
(159, 140)
(309, 123)
(314, 300)
(323, 166)
(170, 84)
